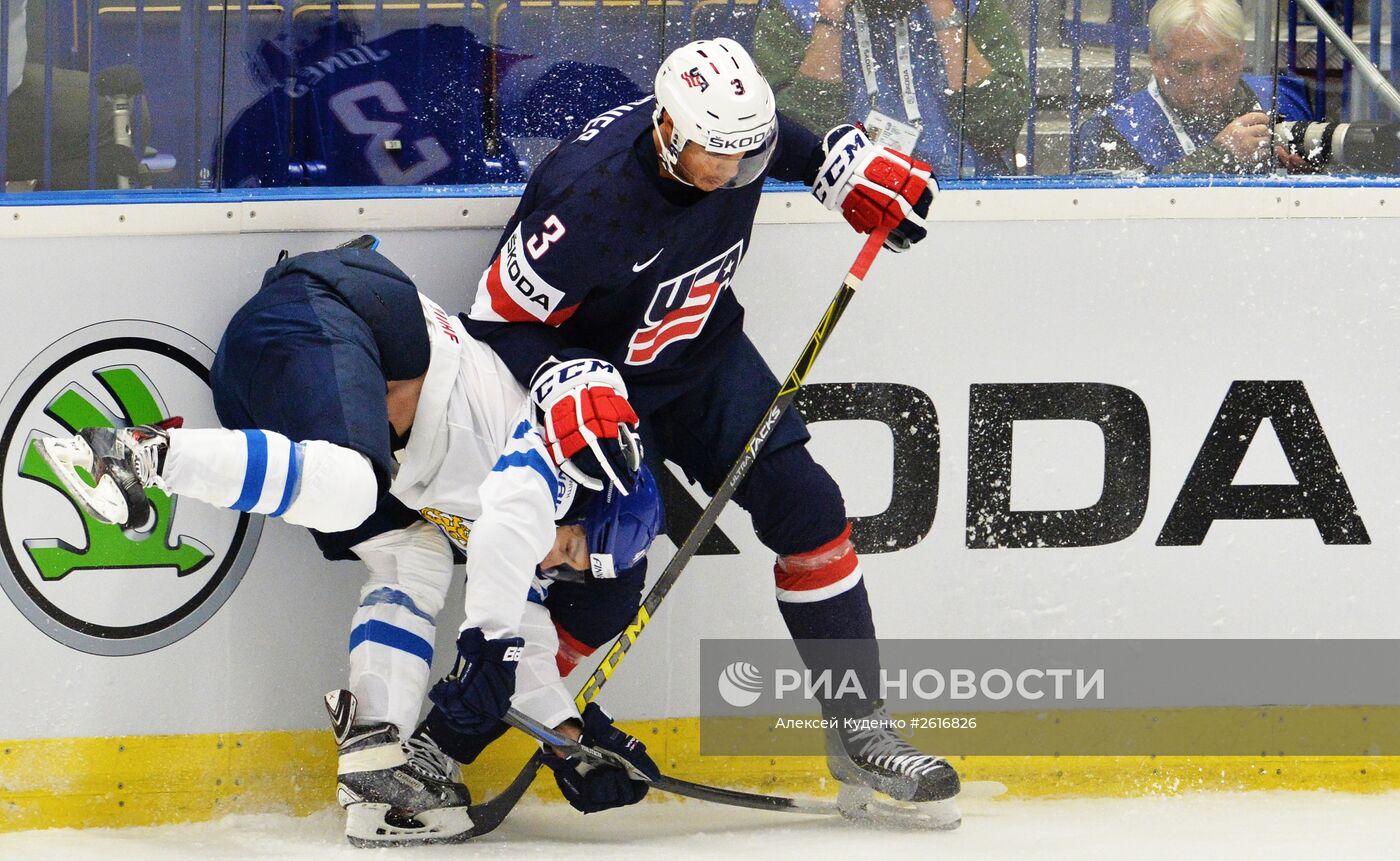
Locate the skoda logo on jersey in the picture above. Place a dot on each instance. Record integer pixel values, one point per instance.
(95, 587)
(741, 684)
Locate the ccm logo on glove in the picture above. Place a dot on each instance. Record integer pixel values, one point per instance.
(874, 187)
(589, 427)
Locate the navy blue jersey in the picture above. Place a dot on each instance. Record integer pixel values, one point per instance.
(334, 116)
(345, 111)
(605, 254)
(310, 356)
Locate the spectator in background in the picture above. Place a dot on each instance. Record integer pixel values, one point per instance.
(1199, 112)
(836, 61)
(69, 136)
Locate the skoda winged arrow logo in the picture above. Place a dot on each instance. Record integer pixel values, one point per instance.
(96, 587)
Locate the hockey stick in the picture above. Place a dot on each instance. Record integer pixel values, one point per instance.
(787, 393)
(571, 749)
(488, 815)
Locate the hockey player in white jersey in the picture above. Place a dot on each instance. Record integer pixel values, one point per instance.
(365, 412)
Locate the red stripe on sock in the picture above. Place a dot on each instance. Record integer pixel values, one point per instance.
(817, 577)
(571, 651)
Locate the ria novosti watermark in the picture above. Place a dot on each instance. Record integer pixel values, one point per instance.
(1057, 697)
(741, 684)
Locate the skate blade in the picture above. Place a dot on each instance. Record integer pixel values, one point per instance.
(861, 804)
(982, 789)
(65, 457)
(367, 825)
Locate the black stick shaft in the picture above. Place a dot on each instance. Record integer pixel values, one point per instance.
(786, 395)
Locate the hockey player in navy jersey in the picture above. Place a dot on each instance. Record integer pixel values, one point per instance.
(609, 298)
(356, 406)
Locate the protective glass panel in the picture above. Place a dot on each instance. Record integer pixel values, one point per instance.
(945, 79)
(107, 94)
(1200, 99)
(1126, 88)
(337, 94)
(426, 93)
(1085, 56)
(1334, 85)
(572, 60)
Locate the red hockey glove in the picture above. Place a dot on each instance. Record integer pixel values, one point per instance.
(589, 427)
(875, 187)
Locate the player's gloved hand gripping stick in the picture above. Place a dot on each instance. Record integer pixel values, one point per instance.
(488, 815)
(874, 187)
(625, 772)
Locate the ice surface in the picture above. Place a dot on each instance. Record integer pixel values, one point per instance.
(1272, 826)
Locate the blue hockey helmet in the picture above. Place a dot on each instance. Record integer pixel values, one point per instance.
(620, 528)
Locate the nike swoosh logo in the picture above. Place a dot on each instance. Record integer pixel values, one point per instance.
(638, 267)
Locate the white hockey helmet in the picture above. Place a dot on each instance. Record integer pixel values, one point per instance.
(717, 98)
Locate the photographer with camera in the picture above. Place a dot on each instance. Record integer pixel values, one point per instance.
(1199, 112)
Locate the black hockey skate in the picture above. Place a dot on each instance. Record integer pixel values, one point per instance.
(395, 791)
(123, 462)
(867, 755)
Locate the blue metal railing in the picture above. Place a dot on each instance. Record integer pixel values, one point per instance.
(1347, 110)
(1032, 73)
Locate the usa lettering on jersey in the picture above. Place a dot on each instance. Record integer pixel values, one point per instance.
(512, 291)
(681, 306)
(602, 121)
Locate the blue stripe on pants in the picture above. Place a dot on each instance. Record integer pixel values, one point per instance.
(289, 492)
(256, 472)
(385, 634)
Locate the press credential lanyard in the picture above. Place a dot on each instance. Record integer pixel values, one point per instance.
(903, 56)
(1182, 136)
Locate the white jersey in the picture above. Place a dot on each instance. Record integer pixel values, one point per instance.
(476, 466)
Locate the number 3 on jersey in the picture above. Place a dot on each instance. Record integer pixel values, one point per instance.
(347, 107)
(538, 244)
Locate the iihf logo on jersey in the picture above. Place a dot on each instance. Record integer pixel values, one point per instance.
(681, 306)
(92, 586)
(741, 684)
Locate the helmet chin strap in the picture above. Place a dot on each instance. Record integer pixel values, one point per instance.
(669, 153)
